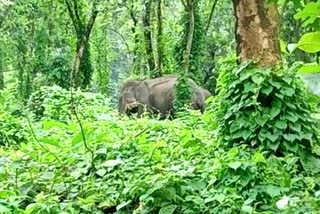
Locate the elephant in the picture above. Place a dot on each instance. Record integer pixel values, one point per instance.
(205, 93)
(156, 96)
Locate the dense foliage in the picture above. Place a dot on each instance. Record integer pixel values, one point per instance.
(266, 107)
(145, 166)
(67, 149)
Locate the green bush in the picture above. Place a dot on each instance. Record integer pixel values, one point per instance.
(54, 102)
(267, 108)
(13, 129)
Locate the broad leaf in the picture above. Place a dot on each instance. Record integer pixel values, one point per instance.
(309, 13)
(309, 69)
(281, 124)
(168, 209)
(234, 165)
(310, 42)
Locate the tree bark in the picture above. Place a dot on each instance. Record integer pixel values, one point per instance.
(81, 48)
(211, 14)
(1, 69)
(186, 57)
(257, 31)
(147, 35)
(82, 56)
(159, 38)
(136, 39)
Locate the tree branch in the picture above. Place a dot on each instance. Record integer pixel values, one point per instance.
(76, 11)
(211, 14)
(82, 45)
(184, 4)
(72, 16)
(121, 36)
(187, 53)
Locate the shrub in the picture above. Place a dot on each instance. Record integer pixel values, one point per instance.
(267, 108)
(54, 102)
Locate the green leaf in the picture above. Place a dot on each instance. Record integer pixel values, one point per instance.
(112, 163)
(267, 90)
(220, 197)
(306, 136)
(290, 137)
(77, 139)
(309, 13)
(244, 75)
(287, 79)
(293, 118)
(246, 134)
(249, 87)
(48, 124)
(295, 127)
(261, 121)
(123, 204)
(272, 190)
(283, 46)
(273, 146)
(272, 137)
(47, 175)
(168, 209)
(101, 172)
(291, 146)
(247, 209)
(234, 127)
(309, 69)
(49, 140)
(281, 124)
(274, 112)
(310, 42)
(275, 84)
(234, 165)
(287, 91)
(291, 105)
(237, 134)
(258, 79)
(309, 162)
(258, 157)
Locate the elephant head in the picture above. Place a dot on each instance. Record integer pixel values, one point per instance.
(127, 97)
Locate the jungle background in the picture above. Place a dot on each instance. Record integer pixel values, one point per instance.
(65, 149)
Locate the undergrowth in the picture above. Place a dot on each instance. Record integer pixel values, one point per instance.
(147, 166)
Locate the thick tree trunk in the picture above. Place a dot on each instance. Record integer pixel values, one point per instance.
(186, 58)
(147, 35)
(159, 38)
(257, 31)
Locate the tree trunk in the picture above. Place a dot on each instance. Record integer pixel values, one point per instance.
(186, 57)
(257, 31)
(159, 38)
(147, 35)
(1, 69)
(211, 14)
(136, 40)
(82, 57)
